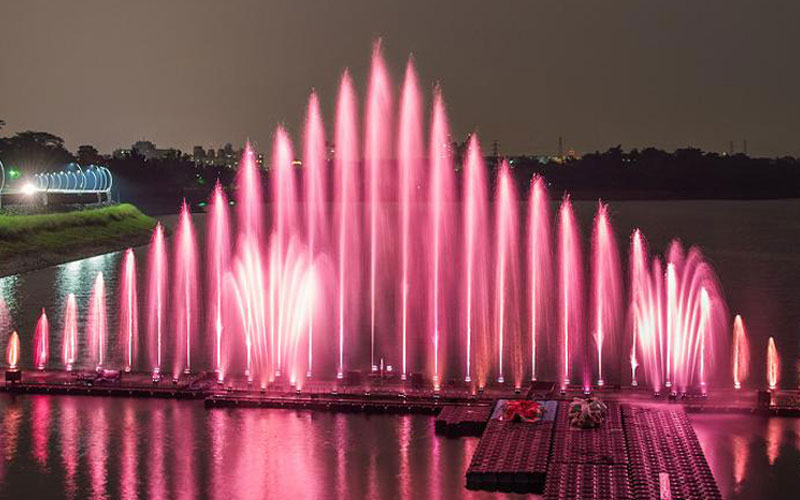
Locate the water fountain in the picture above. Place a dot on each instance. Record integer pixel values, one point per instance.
(741, 353)
(458, 283)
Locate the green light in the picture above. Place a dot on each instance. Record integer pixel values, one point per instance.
(202, 204)
(13, 173)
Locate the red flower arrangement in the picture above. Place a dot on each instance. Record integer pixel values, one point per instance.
(523, 410)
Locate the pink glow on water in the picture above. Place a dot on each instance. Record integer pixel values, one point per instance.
(98, 321)
(40, 428)
(219, 248)
(506, 274)
(12, 351)
(129, 310)
(539, 263)
(741, 353)
(70, 338)
(377, 154)
(606, 287)
(41, 342)
(156, 296)
(410, 153)
(475, 241)
(570, 286)
(442, 196)
(315, 182)
(346, 169)
(773, 365)
(185, 291)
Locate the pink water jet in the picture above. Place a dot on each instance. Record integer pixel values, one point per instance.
(70, 338)
(98, 321)
(570, 271)
(539, 262)
(219, 247)
(377, 155)
(442, 196)
(606, 286)
(346, 189)
(409, 159)
(185, 291)
(475, 242)
(157, 296)
(250, 198)
(129, 310)
(741, 353)
(41, 342)
(12, 351)
(285, 221)
(773, 365)
(315, 185)
(506, 273)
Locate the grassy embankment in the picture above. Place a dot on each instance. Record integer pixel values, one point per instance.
(30, 242)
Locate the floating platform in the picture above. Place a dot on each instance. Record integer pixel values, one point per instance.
(463, 420)
(640, 452)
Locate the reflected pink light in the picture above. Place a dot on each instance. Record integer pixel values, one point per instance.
(97, 452)
(741, 456)
(774, 440)
(69, 430)
(129, 477)
(40, 428)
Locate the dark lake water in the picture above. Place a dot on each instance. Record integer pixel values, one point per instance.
(91, 447)
(94, 447)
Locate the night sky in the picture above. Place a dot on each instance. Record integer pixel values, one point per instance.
(600, 73)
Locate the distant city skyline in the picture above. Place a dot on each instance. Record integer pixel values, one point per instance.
(523, 73)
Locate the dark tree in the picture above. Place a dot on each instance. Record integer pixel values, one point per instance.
(34, 151)
(88, 155)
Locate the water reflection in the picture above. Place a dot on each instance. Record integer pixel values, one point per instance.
(69, 433)
(774, 438)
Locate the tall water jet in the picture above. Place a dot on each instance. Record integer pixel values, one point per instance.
(12, 351)
(129, 310)
(606, 285)
(672, 321)
(409, 159)
(539, 262)
(219, 254)
(156, 297)
(315, 185)
(377, 151)
(570, 280)
(705, 314)
(98, 321)
(741, 353)
(41, 342)
(441, 199)
(249, 204)
(506, 269)
(475, 222)
(185, 291)
(346, 167)
(773, 365)
(285, 221)
(69, 343)
(641, 308)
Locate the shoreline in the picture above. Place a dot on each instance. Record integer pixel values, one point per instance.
(30, 243)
